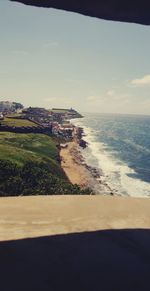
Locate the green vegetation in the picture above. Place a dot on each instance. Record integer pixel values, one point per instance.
(17, 122)
(21, 148)
(29, 165)
(18, 115)
(60, 110)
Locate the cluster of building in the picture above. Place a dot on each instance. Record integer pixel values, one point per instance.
(55, 121)
(66, 130)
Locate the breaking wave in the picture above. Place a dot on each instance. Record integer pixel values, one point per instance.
(117, 170)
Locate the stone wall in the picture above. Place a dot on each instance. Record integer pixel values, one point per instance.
(25, 129)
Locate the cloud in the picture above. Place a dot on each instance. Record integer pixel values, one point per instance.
(142, 81)
(21, 52)
(51, 44)
(91, 98)
(114, 96)
(50, 99)
(57, 101)
(110, 93)
(71, 80)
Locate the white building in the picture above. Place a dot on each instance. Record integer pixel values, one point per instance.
(1, 116)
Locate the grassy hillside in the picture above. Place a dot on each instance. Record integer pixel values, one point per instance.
(17, 122)
(59, 110)
(21, 148)
(29, 165)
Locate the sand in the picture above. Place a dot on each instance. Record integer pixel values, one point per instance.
(71, 163)
(78, 172)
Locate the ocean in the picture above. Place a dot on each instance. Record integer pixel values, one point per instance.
(119, 146)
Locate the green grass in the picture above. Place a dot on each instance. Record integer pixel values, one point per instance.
(20, 148)
(60, 111)
(14, 115)
(17, 122)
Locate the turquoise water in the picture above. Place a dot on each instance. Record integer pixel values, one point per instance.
(119, 145)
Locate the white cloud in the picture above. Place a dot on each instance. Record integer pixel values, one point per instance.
(141, 81)
(20, 52)
(58, 102)
(114, 96)
(69, 80)
(50, 99)
(51, 44)
(91, 98)
(110, 93)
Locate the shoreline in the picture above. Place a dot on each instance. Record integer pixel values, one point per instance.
(79, 172)
(72, 163)
(98, 182)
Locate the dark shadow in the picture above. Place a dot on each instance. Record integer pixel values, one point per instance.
(115, 260)
(125, 10)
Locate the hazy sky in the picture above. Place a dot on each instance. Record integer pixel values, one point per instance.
(52, 58)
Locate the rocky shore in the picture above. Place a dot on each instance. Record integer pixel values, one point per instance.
(78, 171)
(73, 165)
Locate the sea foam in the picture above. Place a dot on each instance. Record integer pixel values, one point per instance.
(115, 173)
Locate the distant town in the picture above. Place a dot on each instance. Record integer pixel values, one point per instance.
(56, 121)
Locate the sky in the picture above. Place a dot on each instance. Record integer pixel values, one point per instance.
(51, 58)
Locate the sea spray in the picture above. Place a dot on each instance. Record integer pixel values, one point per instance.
(119, 146)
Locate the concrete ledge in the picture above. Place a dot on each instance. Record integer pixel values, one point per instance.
(35, 216)
(84, 243)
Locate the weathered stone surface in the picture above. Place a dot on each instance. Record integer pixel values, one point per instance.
(126, 11)
(35, 216)
(84, 243)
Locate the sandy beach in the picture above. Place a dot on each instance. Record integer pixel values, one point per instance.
(72, 165)
(78, 172)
